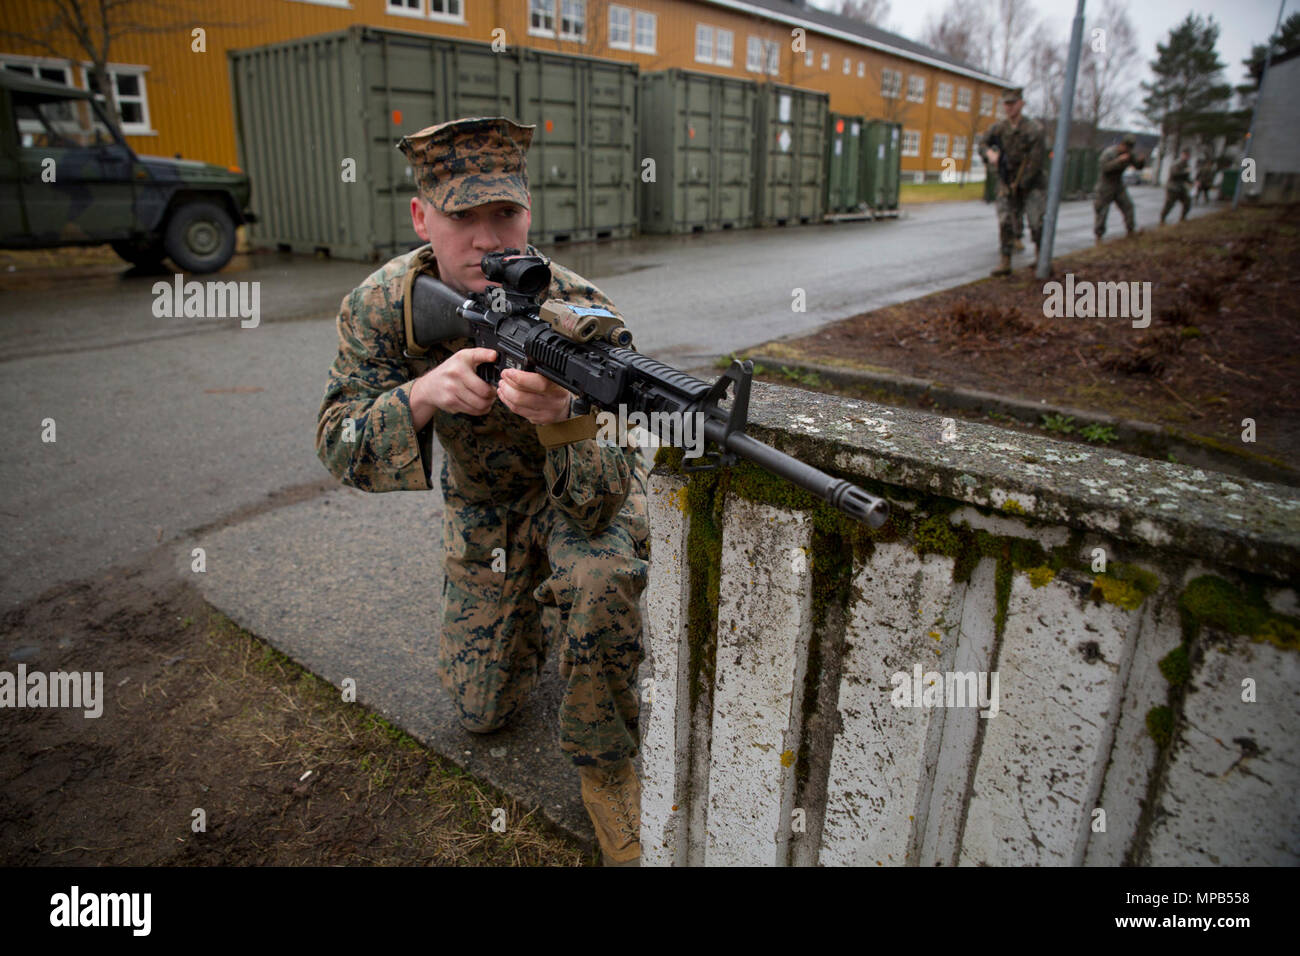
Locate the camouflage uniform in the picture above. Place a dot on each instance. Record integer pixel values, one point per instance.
(1023, 148)
(1204, 178)
(570, 522)
(1176, 190)
(1110, 188)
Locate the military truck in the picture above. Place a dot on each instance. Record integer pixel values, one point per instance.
(68, 179)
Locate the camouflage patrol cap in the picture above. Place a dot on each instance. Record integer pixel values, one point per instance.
(468, 162)
(1010, 96)
(1130, 139)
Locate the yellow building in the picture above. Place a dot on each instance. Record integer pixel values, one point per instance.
(172, 84)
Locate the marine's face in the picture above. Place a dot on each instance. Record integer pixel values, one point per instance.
(461, 239)
(1013, 109)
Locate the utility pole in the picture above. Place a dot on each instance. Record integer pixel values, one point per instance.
(1057, 179)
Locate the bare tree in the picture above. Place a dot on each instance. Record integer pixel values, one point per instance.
(1047, 62)
(875, 12)
(963, 31)
(1107, 67)
(1013, 31)
(74, 30)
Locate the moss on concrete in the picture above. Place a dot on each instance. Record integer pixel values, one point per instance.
(1220, 604)
(1040, 576)
(1160, 725)
(1175, 666)
(1124, 585)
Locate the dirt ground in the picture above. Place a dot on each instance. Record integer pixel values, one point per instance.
(209, 718)
(1223, 344)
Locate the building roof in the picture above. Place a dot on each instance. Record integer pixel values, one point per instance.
(799, 13)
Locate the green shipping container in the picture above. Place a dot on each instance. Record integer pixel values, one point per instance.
(582, 164)
(845, 185)
(881, 159)
(317, 121)
(1228, 184)
(699, 130)
(789, 186)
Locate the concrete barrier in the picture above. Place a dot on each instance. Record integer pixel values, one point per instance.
(1052, 654)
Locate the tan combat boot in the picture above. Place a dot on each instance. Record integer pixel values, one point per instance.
(1004, 267)
(613, 800)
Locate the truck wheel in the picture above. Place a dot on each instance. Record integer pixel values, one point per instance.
(200, 236)
(146, 255)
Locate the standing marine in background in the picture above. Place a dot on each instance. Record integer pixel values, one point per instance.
(1204, 178)
(1110, 185)
(1176, 190)
(1017, 148)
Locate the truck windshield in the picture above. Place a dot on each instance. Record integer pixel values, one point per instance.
(60, 123)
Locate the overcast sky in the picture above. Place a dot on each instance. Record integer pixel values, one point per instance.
(1241, 22)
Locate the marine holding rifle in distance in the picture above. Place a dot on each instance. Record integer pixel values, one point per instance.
(1017, 148)
(546, 538)
(1114, 160)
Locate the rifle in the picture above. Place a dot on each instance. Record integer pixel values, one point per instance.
(589, 352)
(1004, 169)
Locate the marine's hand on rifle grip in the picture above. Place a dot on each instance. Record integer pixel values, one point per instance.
(533, 396)
(453, 386)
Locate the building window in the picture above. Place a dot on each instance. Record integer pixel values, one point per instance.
(807, 57)
(986, 104)
(620, 28)
(773, 56)
(911, 142)
(963, 98)
(446, 10)
(646, 25)
(573, 19)
(406, 8)
(826, 61)
(940, 147)
(862, 69)
(53, 71)
(703, 43)
(891, 83)
(916, 88)
(944, 96)
(959, 147)
(541, 17)
(129, 97)
(754, 55)
(848, 66)
(722, 56)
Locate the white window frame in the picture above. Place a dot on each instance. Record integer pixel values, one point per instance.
(567, 34)
(754, 54)
(826, 61)
(915, 88)
(624, 15)
(807, 57)
(914, 137)
(959, 147)
(541, 9)
(393, 10)
(448, 17)
(144, 128)
(848, 66)
(653, 20)
(986, 104)
(772, 57)
(340, 4)
(938, 145)
(964, 98)
(891, 91)
(718, 58)
(943, 96)
(862, 69)
(703, 43)
(38, 63)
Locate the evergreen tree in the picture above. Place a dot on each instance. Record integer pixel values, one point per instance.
(1188, 96)
(1284, 41)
